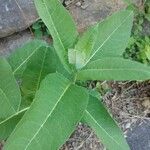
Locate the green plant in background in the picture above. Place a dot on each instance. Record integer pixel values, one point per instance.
(144, 47)
(138, 47)
(39, 29)
(147, 10)
(52, 99)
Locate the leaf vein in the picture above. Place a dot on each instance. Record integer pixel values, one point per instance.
(106, 40)
(34, 136)
(102, 127)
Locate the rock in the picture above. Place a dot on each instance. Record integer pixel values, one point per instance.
(139, 136)
(91, 11)
(146, 29)
(12, 42)
(16, 15)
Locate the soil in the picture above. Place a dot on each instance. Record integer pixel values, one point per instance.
(128, 102)
(83, 139)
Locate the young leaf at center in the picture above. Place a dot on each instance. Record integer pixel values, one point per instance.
(106, 39)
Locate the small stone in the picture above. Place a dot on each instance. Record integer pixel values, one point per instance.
(146, 103)
(127, 126)
(84, 6)
(68, 3)
(78, 4)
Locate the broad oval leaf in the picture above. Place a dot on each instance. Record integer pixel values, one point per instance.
(42, 64)
(105, 39)
(9, 124)
(97, 117)
(57, 108)
(10, 96)
(114, 69)
(60, 24)
(19, 58)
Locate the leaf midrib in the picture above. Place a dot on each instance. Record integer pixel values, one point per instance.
(90, 115)
(116, 69)
(25, 109)
(26, 59)
(48, 116)
(58, 36)
(106, 40)
(42, 66)
(60, 41)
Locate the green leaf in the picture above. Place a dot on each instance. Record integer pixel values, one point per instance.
(38, 34)
(147, 51)
(60, 24)
(106, 39)
(19, 58)
(57, 108)
(36, 26)
(128, 2)
(42, 64)
(10, 96)
(114, 69)
(8, 125)
(97, 117)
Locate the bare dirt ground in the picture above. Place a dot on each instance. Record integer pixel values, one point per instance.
(128, 102)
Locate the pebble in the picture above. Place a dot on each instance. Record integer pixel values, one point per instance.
(78, 4)
(84, 6)
(68, 3)
(146, 103)
(127, 126)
